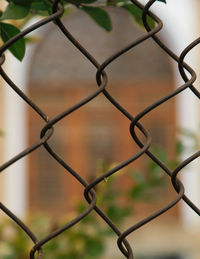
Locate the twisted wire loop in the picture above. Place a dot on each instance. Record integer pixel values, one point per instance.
(102, 81)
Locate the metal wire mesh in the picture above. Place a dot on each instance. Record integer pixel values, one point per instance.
(101, 81)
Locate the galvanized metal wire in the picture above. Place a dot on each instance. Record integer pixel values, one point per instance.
(101, 81)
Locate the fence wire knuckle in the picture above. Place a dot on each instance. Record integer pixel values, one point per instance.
(101, 83)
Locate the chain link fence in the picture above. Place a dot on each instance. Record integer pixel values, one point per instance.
(101, 82)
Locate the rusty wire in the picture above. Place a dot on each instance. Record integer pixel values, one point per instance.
(101, 80)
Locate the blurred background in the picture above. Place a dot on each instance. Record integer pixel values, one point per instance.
(96, 137)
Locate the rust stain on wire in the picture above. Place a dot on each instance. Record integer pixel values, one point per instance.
(101, 81)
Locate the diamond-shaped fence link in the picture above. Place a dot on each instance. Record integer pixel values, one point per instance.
(101, 82)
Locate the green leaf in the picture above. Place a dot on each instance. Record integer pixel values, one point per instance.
(14, 11)
(160, 153)
(94, 246)
(180, 147)
(86, 1)
(138, 192)
(7, 31)
(22, 2)
(78, 2)
(116, 2)
(136, 13)
(99, 15)
(38, 6)
(116, 214)
(48, 6)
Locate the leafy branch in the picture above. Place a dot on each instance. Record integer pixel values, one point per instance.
(18, 12)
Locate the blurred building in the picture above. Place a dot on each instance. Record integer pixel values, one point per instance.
(58, 77)
(98, 130)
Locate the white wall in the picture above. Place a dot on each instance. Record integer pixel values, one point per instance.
(180, 19)
(15, 183)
